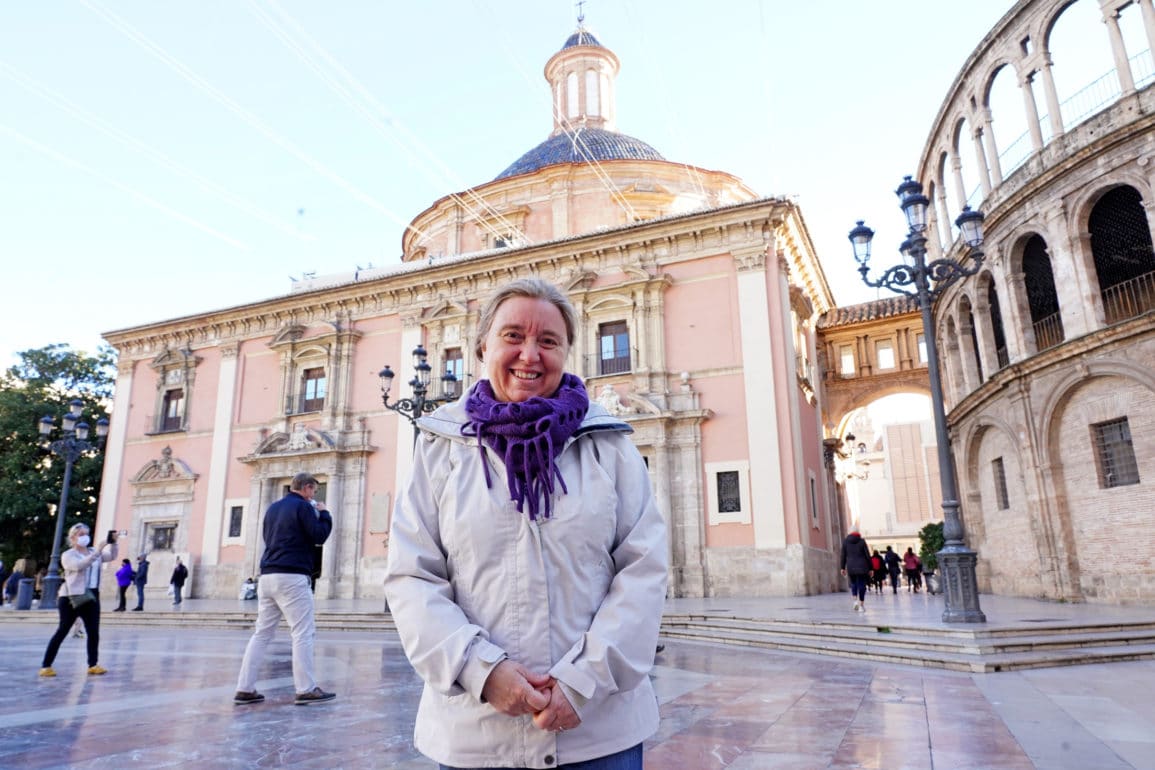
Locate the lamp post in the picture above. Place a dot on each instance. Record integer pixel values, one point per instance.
(419, 403)
(926, 281)
(71, 446)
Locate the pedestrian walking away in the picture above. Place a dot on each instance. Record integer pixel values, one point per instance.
(293, 528)
(912, 566)
(893, 567)
(179, 575)
(856, 566)
(141, 581)
(124, 578)
(80, 596)
(524, 476)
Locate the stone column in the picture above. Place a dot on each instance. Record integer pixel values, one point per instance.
(1032, 111)
(1119, 51)
(1054, 111)
(996, 168)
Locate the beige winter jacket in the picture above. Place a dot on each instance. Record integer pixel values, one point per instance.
(471, 581)
(77, 568)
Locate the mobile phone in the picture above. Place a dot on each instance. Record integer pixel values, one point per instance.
(111, 536)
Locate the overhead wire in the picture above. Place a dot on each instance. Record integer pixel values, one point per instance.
(141, 196)
(659, 74)
(45, 93)
(362, 100)
(249, 118)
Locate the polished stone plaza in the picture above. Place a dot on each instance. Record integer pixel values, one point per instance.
(167, 702)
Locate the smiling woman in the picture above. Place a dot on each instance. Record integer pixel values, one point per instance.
(531, 610)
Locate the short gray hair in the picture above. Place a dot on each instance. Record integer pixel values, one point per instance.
(533, 288)
(302, 480)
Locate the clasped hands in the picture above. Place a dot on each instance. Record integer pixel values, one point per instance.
(514, 690)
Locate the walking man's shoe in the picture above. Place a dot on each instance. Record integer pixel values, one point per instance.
(138, 609)
(97, 670)
(245, 698)
(47, 671)
(316, 696)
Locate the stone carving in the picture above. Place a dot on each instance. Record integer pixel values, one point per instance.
(612, 402)
(299, 438)
(164, 469)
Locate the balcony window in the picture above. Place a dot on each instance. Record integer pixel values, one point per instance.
(614, 348)
(173, 415)
(313, 389)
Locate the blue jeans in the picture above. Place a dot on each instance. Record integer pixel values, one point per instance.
(630, 759)
(140, 596)
(176, 593)
(858, 586)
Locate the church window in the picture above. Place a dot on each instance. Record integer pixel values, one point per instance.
(172, 417)
(613, 348)
(920, 341)
(313, 384)
(1000, 474)
(455, 365)
(236, 519)
(728, 492)
(571, 95)
(161, 536)
(884, 351)
(592, 93)
(846, 361)
(1114, 453)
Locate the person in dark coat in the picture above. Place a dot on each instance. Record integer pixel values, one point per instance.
(893, 567)
(141, 581)
(856, 566)
(179, 575)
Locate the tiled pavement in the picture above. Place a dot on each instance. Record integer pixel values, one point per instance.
(166, 702)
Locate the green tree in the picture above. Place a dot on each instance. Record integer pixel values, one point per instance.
(42, 383)
(932, 541)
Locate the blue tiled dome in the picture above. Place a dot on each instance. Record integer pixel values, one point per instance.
(581, 37)
(595, 143)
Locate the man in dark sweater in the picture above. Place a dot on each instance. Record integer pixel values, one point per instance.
(294, 526)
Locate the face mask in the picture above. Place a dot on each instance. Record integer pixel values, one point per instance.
(83, 540)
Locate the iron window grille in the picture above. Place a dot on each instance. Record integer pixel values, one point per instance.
(1114, 453)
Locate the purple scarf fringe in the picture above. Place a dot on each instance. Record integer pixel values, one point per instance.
(528, 435)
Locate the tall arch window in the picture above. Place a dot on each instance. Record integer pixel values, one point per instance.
(1124, 260)
(997, 325)
(613, 347)
(1042, 299)
(571, 95)
(313, 385)
(592, 101)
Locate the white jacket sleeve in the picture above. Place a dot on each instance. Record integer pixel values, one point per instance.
(618, 650)
(448, 652)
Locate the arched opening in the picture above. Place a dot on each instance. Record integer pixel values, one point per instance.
(1121, 248)
(1008, 121)
(888, 468)
(972, 359)
(1042, 299)
(996, 318)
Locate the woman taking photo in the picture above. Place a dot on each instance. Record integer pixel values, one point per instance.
(79, 596)
(527, 560)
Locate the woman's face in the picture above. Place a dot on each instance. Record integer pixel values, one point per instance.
(76, 535)
(525, 350)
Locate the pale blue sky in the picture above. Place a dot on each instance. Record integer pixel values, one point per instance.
(160, 159)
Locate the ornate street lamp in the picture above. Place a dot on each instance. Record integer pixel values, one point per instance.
(71, 446)
(916, 278)
(419, 403)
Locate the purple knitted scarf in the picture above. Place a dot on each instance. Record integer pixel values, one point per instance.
(528, 435)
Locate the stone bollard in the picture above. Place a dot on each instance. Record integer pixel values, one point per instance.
(24, 594)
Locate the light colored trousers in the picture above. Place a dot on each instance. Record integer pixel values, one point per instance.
(278, 595)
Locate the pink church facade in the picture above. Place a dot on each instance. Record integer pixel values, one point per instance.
(697, 303)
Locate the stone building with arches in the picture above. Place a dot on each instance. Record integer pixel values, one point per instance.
(697, 302)
(1048, 351)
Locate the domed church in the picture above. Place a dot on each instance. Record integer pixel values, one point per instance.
(697, 301)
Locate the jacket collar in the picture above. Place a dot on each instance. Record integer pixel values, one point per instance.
(447, 421)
